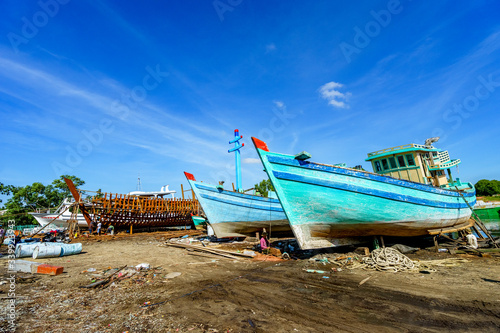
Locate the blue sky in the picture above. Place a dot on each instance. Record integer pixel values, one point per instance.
(111, 89)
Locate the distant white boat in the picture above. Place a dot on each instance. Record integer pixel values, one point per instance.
(164, 191)
(58, 220)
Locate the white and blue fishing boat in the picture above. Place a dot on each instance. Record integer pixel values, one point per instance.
(235, 213)
(408, 194)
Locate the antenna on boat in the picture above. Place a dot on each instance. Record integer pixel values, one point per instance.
(236, 149)
(139, 187)
(430, 141)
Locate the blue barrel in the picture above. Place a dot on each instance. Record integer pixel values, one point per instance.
(69, 249)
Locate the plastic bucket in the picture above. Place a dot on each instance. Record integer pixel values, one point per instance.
(69, 249)
(47, 251)
(27, 249)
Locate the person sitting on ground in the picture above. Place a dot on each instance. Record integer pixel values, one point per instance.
(264, 243)
(111, 230)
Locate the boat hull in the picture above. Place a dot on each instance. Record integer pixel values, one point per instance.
(488, 213)
(60, 222)
(233, 214)
(490, 216)
(324, 203)
(199, 222)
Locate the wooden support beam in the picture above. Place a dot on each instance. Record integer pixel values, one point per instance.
(78, 198)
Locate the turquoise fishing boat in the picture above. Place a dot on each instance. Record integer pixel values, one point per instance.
(408, 194)
(233, 213)
(200, 223)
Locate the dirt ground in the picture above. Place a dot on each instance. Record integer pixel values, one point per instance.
(220, 295)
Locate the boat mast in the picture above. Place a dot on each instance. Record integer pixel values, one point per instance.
(236, 149)
(139, 187)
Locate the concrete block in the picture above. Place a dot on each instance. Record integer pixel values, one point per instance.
(25, 266)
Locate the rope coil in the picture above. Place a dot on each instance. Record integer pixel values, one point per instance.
(389, 259)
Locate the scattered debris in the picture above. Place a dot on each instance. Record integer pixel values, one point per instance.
(362, 250)
(315, 271)
(249, 253)
(364, 280)
(404, 249)
(223, 253)
(144, 266)
(172, 275)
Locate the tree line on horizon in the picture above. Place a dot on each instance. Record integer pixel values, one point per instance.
(30, 198)
(488, 188)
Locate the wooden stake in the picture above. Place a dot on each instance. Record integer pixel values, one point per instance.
(131, 231)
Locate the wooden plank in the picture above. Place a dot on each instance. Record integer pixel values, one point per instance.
(77, 197)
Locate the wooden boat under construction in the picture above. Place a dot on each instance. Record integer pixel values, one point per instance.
(125, 210)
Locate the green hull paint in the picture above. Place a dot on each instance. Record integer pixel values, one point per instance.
(490, 216)
(492, 213)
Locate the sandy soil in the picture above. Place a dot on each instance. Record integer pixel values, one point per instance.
(219, 295)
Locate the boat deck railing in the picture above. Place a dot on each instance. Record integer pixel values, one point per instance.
(411, 145)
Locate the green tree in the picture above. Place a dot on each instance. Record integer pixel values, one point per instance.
(61, 186)
(486, 187)
(35, 196)
(264, 187)
(5, 189)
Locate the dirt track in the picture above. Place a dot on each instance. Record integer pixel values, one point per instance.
(250, 296)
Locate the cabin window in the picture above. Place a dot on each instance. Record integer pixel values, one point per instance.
(385, 164)
(377, 166)
(434, 153)
(401, 161)
(392, 162)
(411, 161)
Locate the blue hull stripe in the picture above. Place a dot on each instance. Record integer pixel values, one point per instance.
(241, 204)
(360, 174)
(239, 195)
(368, 191)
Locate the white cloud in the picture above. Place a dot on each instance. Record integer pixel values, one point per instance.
(333, 96)
(250, 160)
(279, 104)
(270, 47)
